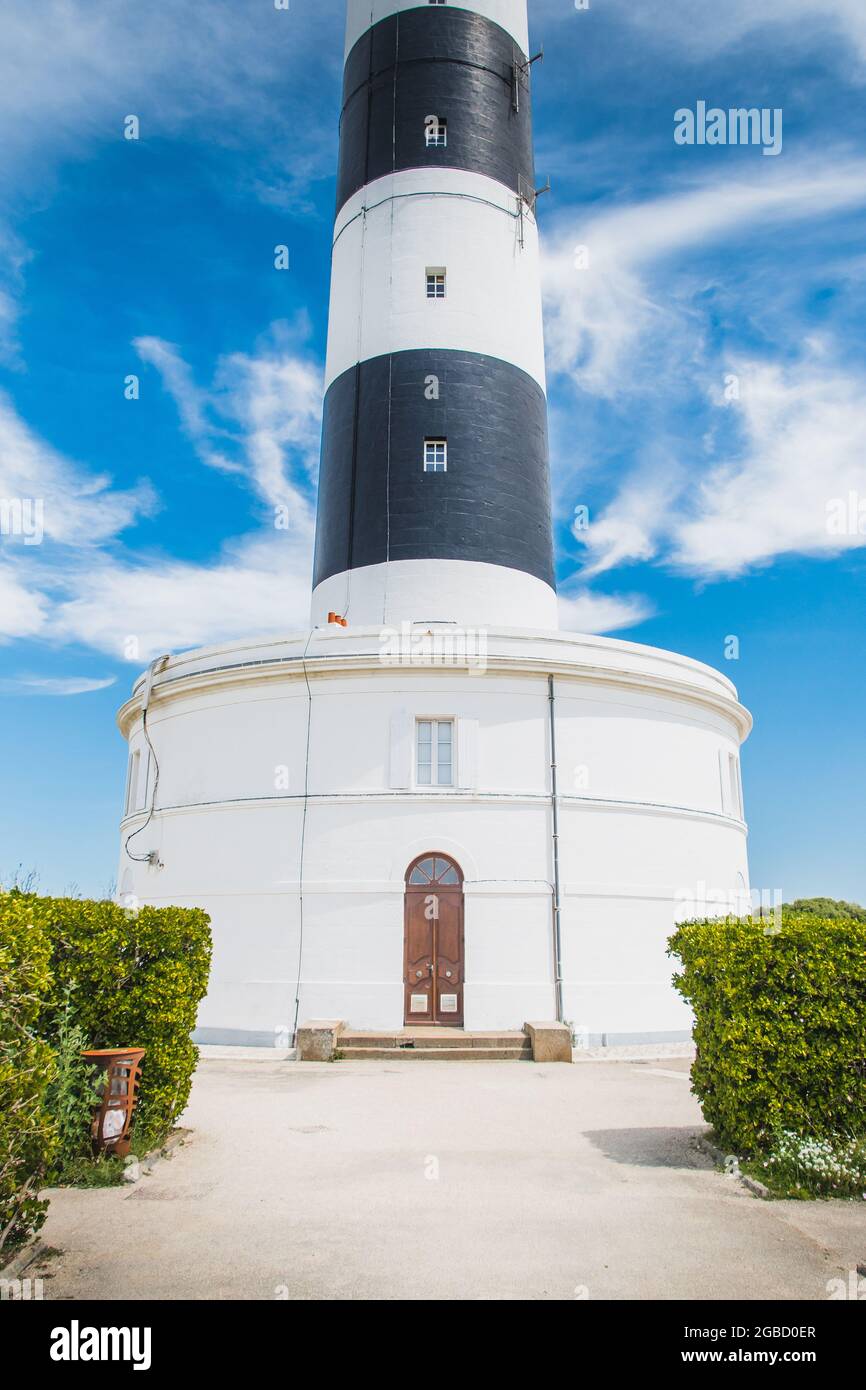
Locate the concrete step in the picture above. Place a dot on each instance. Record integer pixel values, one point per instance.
(430, 1038)
(435, 1054)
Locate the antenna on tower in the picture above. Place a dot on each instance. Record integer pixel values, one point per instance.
(520, 74)
(527, 196)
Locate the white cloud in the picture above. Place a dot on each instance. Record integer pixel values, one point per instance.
(78, 67)
(804, 458)
(610, 327)
(78, 508)
(796, 484)
(584, 611)
(220, 74)
(272, 401)
(258, 585)
(79, 585)
(52, 685)
(192, 403)
(705, 26)
(628, 533)
(22, 613)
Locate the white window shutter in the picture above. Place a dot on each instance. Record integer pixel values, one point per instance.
(722, 783)
(132, 798)
(467, 752)
(400, 762)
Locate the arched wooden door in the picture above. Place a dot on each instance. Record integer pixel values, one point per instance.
(433, 942)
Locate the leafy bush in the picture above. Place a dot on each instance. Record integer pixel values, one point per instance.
(71, 1097)
(827, 907)
(27, 1140)
(780, 1025)
(136, 981)
(123, 979)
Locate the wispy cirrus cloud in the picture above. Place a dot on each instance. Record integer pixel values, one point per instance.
(604, 322)
(79, 507)
(791, 481)
(226, 76)
(633, 333)
(23, 609)
(137, 607)
(703, 27)
(261, 416)
(53, 685)
(788, 490)
(216, 75)
(581, 610)
(81, 585)
(628, 531)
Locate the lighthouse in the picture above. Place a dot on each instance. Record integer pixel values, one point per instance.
(434, 491)
(393, 826)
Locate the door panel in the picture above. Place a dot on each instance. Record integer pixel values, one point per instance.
(419, 960)
(449, 958)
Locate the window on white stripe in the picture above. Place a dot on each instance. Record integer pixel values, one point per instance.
(435, 130)
(435, 282)
(434, 752)
(435, 455)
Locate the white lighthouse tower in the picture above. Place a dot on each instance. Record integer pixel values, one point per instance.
(433, 736)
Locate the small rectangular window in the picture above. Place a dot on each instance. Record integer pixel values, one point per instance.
(435, 130)
(434, 752)
(435, 455)
(435, 282)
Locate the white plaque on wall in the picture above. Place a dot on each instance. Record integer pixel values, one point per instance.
(418, 1004)
(448, 1003)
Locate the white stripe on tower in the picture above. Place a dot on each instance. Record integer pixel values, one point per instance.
(510, 15)
(418, 218)
(435, 180)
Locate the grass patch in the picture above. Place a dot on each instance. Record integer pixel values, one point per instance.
(105, 1170)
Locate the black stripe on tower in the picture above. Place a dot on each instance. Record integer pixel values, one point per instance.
(434, 61)
(376, 503)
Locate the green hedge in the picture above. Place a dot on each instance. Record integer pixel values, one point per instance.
(136, 980)
(128, 980)
(780, 1025)
(27, 1140)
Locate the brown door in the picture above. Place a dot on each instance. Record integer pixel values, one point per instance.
(433, 942)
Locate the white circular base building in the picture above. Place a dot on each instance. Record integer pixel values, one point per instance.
(302, 779)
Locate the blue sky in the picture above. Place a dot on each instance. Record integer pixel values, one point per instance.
(706, 373)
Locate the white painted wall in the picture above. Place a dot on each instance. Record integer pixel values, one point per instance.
(456, 591)
(429, 218)
(508, 14)
(636, 844)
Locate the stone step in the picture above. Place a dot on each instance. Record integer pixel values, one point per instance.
(430, 1038)
(436, 1054)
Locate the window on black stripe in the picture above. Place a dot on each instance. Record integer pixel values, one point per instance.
(435, 456)
(435, 130)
